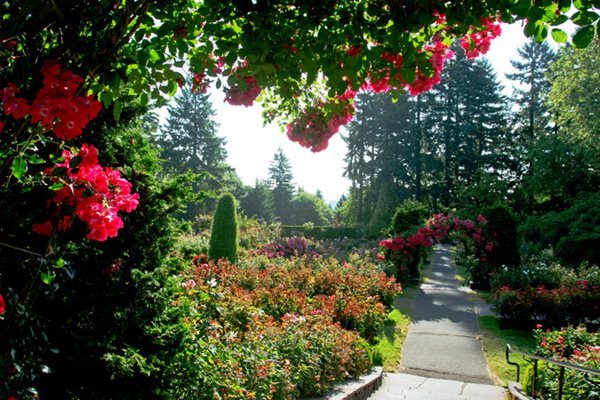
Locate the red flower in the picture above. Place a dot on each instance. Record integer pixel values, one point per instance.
(1, 126)
(44, 229)
(2, 305)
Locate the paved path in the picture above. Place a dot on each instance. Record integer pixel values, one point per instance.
(442, 357)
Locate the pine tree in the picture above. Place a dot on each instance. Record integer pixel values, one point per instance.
(189, 141)
(189, 144)
(258, 202)
(530, 93)
(280, 180)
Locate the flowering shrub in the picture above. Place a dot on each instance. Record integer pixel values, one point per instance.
(291, 247)
(407, 252)
(278, 328)
(355, 296)
(92, 193)
(56, 106)
(565, 304)
(573, 345)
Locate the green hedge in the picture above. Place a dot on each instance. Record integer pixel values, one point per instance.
(322, 232)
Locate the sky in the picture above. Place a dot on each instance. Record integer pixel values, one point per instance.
(251, 146)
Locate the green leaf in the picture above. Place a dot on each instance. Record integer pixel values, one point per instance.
(584, 37)
(48, 277)
(560, 19)
(19, 168)
(34, 159)
(564, 5)
(541, 33)
(530, 29)
(583, 18)
(56, 186)
(59, 263)
(117, 110)
(75, 161)
(558, 35)
(106, 98)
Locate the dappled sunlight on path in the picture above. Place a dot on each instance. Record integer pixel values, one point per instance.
(442, 357)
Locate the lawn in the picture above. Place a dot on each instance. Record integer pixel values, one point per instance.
(494, 345)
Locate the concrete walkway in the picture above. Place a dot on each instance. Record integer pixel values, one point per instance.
(442, 357)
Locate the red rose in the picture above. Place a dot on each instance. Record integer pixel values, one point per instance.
(2, 305)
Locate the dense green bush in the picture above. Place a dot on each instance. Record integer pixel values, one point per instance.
(408, 215)
(502, 226)
(105, 326)
(224, 231)
(573, 234)
(321, 232)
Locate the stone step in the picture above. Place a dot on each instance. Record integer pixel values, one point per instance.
(398, 386)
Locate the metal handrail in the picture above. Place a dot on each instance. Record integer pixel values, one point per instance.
(561, 364)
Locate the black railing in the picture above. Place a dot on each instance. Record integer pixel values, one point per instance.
(561, 372)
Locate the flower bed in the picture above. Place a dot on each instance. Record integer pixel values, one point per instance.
(280, 328)
(573, 345)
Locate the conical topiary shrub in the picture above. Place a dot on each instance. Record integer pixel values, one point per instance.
(224, 230)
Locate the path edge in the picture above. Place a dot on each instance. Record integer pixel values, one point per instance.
(355, 389)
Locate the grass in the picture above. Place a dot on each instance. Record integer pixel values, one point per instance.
(388, 350)
(494, 346)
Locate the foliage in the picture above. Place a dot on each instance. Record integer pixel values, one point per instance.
(573, 234)
(573, 345)
(494, 338)
(572, 77)
(566, 299)
(225, 230)
(280, 182)
(107, 307)
(322, 232)
(189, 144)
(258, 202)
(408, 215)
(309, 208)
(502, 224)
(106, 321)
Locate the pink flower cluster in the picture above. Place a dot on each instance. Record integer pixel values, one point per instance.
(92, 193)
(438, 53)
(56, 106)
(478, 41)
(313, 129)
(199, 82)
(244, 88)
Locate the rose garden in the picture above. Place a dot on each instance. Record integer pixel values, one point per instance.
(134, 263)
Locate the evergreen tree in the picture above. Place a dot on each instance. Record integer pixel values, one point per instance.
(224, 230)
(530, 94)
(531, 120)
(189, 140)
(280, 180)
(189, 144)
(258, 202)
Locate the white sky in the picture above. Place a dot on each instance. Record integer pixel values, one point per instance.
(251, 147)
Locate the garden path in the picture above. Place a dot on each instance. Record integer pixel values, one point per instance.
(442, 357)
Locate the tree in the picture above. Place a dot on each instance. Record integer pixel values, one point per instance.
(57, 59)
(224, 230)
(280, 181)
(574, 95)
(306, 207)
(190, 144)
(258, 202)
(530, 93)
(189, 140)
